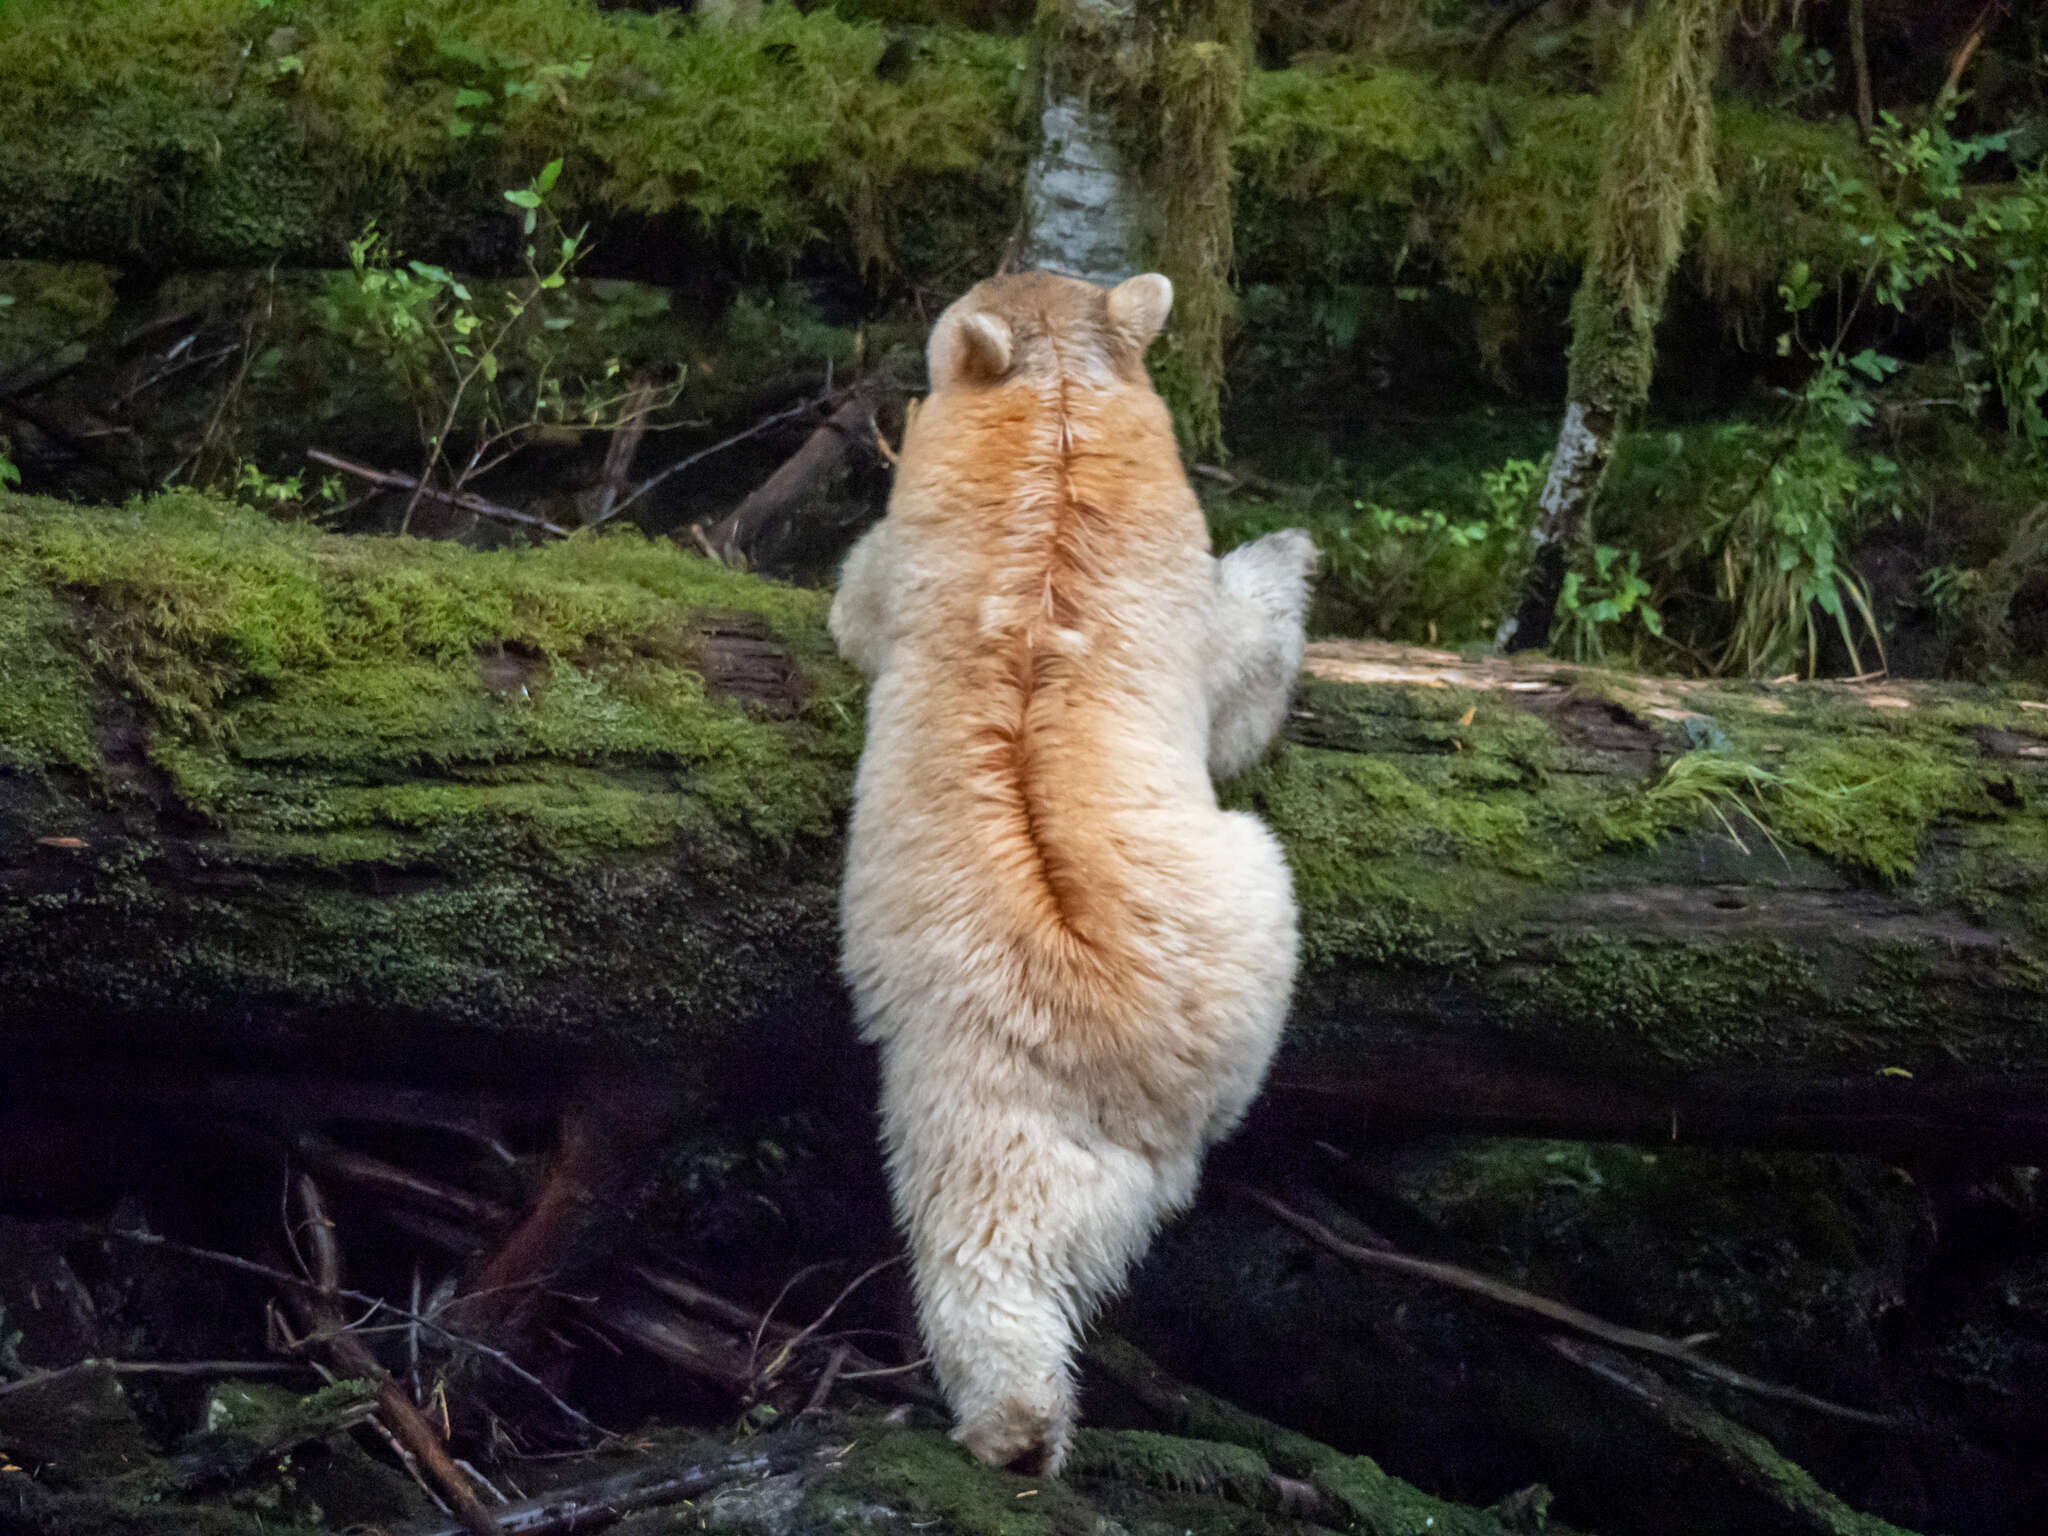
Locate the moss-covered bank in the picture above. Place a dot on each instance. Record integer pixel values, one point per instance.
(218, 131)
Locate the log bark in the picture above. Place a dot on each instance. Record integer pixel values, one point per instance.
(346, 846)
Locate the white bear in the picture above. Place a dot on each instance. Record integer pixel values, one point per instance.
(1075, 964)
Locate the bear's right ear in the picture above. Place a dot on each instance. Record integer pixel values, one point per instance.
(968, 349)
(1138, 308)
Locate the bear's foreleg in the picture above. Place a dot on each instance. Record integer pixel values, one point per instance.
(1255, 645)
(860, 618)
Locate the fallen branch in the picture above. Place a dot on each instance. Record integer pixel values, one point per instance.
(1557, 1314)
(697, 1349)
(618, 457)
(733, 537)
(1752, 1462)
(375, 1176)
(828, 1378)
(89, 1365)
(319, 1311)
(468, 501)
(857, 1366)
(590, 1505)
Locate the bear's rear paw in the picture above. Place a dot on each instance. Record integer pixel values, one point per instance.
(1019, 1437)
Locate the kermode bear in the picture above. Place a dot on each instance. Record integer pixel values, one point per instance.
(1076, 965)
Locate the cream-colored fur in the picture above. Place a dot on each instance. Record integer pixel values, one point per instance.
(1075, 963)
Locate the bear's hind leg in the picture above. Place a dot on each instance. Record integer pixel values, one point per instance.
(1016, 1238)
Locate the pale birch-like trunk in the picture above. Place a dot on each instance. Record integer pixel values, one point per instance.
(1659, 160)
(1081, 198)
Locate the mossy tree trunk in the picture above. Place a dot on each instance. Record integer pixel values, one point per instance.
(1139, 101)
(1659, 161)
(275, 793)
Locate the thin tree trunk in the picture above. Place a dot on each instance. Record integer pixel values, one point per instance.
(1859, 61)
(1082, 201)
(1659, 161)
(1139, 104)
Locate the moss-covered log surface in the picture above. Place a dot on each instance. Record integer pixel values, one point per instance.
(264, 789)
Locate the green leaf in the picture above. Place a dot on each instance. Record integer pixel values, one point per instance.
(549, 173)
(469, 96)
(449, 46)
(521, 197)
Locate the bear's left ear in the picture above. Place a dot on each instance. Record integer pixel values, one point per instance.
(1137, 308)
(971, 348)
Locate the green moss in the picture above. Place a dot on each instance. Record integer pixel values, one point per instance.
(1873, 802)
(1169, 1463)
(923, 1474)
(1668, 1006)
(469, 734)
(46, 708)
(1497, 184)
(214, 131)
(1378, 1503)
(266, 131)
(256, 646)
(53, 304)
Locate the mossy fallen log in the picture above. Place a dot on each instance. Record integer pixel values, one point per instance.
(351, 801)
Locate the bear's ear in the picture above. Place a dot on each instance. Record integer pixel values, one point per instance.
(968, 349)
(1137, 308)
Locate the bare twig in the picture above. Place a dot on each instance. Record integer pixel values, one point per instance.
(618, 458)
(709, 1305)
(376, 1303)
(797, 1339)
(468, 501)
(734, 535)
(319, 1310)
(1556, 1314)
(395, 1183)
(802, 407)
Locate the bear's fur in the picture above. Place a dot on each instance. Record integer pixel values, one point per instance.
(1076, 965)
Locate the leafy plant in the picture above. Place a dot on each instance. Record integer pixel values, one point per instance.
(1801, 73)
(1777, 532)
(1592, 608)
(1434, 569)
(1778, 537)
(2014, 321)
(1974, 604)
(491, 80)
(482, 366)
